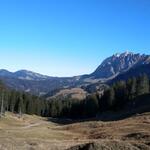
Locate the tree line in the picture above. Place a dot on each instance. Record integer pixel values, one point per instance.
(20, 102)
(120, 93)
(114, 98)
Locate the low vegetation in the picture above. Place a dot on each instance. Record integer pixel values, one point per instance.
(32, 132)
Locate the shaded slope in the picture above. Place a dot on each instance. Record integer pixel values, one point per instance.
(133, 72)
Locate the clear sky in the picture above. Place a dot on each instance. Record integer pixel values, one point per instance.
(70, 37)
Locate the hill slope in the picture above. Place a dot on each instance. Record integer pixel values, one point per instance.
(133, 72)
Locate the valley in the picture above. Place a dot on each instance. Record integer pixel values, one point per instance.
(37, 133)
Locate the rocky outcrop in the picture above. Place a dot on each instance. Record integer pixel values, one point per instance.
(110, 145)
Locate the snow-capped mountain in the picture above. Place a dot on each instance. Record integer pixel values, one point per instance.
(119, 63)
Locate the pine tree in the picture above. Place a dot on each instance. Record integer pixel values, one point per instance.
(2, 104)
(12, 101)
(143, 85)
(132, 93)
(53, 109)
(111, 97)
(20, 106)
(29, 106)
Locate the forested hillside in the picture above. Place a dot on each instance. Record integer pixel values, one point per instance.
(20, 102)
(119, 96)
(129, 95)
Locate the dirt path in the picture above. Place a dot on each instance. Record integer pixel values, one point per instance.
(33, 125)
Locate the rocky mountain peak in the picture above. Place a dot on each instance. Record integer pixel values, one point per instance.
(118, 63)
(126, 53)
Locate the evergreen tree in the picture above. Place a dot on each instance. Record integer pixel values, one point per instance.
(12, 101)
(2, 104)
(110, 97)
(53, 109)
(20, 106)
(132, 93)
(143, 85)
(91, 105)
(120, 94)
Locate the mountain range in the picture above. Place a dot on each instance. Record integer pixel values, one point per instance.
(24, 75)
(119, 63)
(117, 67)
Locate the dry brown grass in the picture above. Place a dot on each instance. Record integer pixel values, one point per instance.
(74, 93)
(32, 132)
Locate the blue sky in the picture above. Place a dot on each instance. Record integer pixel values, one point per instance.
(70, 37)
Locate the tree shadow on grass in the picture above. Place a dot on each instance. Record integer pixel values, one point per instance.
(138, 106)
